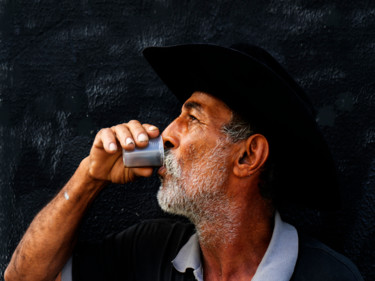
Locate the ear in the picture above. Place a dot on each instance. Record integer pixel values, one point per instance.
(252, 156)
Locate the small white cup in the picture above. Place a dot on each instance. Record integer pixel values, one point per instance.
(150, 156)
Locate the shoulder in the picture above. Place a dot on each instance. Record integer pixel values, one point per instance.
(153, 236)
(155, 228)
(316, 261)
(148, 234)
(140, 250)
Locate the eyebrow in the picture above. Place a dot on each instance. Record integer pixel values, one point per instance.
(193, 105)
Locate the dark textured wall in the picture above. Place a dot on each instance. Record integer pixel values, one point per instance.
(69, 68)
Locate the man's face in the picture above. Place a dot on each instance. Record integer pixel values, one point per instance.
(198, 157)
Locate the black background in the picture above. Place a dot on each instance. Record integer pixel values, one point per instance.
(69, 68)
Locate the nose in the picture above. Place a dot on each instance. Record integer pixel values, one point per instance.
(171, 136)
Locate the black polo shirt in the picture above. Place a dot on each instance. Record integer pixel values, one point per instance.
(144, 253)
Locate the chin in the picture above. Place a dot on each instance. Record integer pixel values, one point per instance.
(168, 200)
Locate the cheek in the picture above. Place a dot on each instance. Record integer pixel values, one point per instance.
(193, 149)
(191, 154)
(194, 146)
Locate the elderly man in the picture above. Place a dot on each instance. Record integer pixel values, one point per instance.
(245, 144)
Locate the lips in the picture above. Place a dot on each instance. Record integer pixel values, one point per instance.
(161, 171)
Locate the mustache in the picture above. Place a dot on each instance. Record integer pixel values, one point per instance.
(172, 165)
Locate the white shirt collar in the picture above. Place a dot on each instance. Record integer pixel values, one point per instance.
(277, 264)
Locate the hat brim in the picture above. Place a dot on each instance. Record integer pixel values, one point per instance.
(259, 91)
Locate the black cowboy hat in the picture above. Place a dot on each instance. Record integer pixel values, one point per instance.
(253, 84)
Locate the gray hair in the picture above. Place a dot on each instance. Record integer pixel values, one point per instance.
(237, 129)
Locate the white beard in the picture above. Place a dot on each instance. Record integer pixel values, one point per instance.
(199, 194)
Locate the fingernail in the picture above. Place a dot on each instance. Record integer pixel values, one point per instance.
(112, 146)
(152, 128)
(129, 141)
(142, 137)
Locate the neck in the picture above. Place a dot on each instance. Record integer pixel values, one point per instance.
(234, 239)
(217, 224)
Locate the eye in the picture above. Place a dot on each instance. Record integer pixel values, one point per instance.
(192, 118)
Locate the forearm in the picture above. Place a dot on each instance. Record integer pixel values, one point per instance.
(50, 238)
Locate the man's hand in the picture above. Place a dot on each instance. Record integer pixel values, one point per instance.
(105, 159)
(49, 240)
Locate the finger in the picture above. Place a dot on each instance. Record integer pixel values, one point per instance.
(139, 133)
(124, 136)
(143, 172)
(152, 130)
(106, 139)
